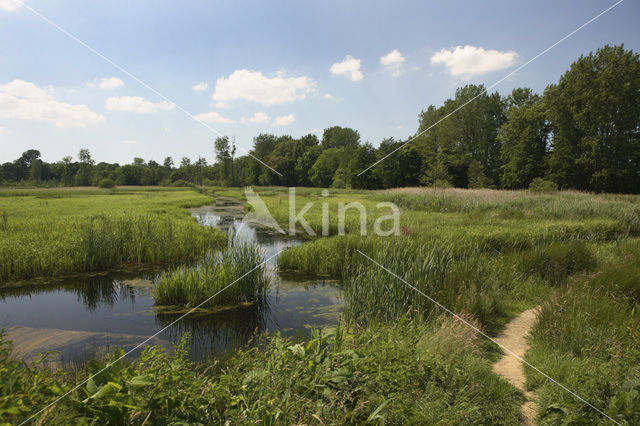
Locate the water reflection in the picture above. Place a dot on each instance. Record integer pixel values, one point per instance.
(92, 292)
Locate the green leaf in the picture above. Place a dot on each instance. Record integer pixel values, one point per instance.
(376, 413)
(144, 380)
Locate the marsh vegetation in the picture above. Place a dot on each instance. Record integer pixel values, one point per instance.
(486, 255)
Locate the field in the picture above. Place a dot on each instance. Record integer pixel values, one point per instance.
(396, 357)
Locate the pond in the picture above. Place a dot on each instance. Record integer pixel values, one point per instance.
(84, 316)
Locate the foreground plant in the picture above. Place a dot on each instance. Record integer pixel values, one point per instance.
(411, 373)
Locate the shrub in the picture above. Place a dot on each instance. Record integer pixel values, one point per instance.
(107, 183)
(182, 182)
(540, 185)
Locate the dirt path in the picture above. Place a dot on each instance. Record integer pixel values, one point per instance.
(509, 367)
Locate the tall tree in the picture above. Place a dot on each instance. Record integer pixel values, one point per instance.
(83, 177)
(524, 139)
(595, 117)
(168, 163)
(340, 137)
(466, 134)
(222, 148)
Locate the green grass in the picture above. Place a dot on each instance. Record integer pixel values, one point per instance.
(189, 286)
(489, 255)
(588, 338)
(56, 232)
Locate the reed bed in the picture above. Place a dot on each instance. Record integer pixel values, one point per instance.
(240, 268)
(54, 232)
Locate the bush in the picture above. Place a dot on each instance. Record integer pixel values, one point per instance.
(107, 183)
(182, 183)
(542, 185)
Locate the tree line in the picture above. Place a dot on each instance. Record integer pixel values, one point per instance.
(582, 132)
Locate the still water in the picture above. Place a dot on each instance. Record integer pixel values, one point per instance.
(84, 316)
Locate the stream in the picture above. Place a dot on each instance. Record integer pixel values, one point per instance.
(85, 316)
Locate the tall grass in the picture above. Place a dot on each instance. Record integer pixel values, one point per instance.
(76, 231)
(462, 282)
(240, 268)
(588, 338)
(101, 242)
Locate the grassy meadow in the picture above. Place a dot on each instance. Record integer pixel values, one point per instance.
(49, 232)
(395, 357)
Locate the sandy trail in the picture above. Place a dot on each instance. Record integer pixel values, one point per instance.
(509, 367)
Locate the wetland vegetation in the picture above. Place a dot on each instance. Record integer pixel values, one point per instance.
(486, 255)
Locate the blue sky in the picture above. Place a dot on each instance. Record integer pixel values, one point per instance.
(283, 67)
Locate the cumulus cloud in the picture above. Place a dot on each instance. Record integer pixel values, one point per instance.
(256, 87)
(10, 5)
(3, 130)
(213, 117)
(328, 96)
(470, 60)
(221, 105)
(109, 83)
(26, 101)
(136, 104)
(284, 120)
(257, 118)
(350, 67)
(393, 62)
(200, 87)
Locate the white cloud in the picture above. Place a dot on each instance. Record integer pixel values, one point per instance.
(284, 120)
(221, 105)
(470, 60)
(257, 118)
(256, 87)
(327, 96)
(393, 62)
(110, 83)
(349, 67)
(213, 117)
(200, 87)
(10, 5)
(136, 104)
(26, 101)
(2, 130)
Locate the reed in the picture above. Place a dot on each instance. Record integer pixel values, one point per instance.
(240, 268)
(79, 231)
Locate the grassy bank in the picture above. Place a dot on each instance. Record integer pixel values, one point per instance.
(588, 338)
(405, 374)
(189, 286)
(63, 231)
